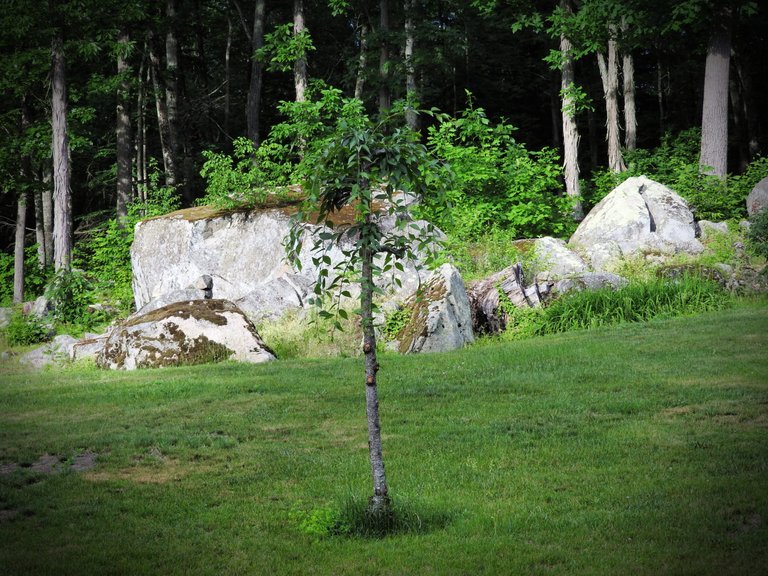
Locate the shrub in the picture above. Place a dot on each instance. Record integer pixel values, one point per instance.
(758, 233)
(24, 330)
(675, 163)
(71, 295)
(497, 183)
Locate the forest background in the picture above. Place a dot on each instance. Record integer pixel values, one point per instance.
(113, 111)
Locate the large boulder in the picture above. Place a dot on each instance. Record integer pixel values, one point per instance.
(242, 253)
(193, 332)
(640, 216)
(440, 318)
(551, 255)
(758, 197)
(58, 351)
(491, 297)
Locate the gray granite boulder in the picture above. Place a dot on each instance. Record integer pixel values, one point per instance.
(639, 216)
(440, 316)
(758, 197)
(184, 333)
(57, 351)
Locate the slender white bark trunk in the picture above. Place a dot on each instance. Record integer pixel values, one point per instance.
(714, 118)
(609, 73)
(361, 62)
(411, 118)
(254, 89)
(62, 195)
(300, 66)
(123, 132)
(630, 112)
(384, 92)
(47, 205)
(18, 252)
(570, 129)
(163, 128)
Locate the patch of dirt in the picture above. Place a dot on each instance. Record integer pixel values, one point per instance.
(52, 464)
(167, 471)
(8, 515)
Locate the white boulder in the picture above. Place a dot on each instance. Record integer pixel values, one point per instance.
(194, 332)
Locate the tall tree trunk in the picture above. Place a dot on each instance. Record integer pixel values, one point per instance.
(570, 129)
(300, 66)
(39, 228)
(175, 138)
(411, 117)
(384, 91)
(380, 499)
(609, 74)
(47, 206)
(141, 133)
(158, 86)
(257, 72)
(18, 252)
(660, 96)
(62, 194)
(228, 79)
(630, 113)
(361, 62)
(714, 117)
(124, 144)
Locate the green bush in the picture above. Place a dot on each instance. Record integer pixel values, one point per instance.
(71, 294)
(6, 279)
(497, 183)
(675, 163)
(24, 330)
(758, 233)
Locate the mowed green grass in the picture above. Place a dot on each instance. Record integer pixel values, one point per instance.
(641, 449)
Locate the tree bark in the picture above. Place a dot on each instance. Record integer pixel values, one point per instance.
(141, 134)
(411, 117)
(384, 91)
(300, 66)
(570, 129)
(18, 252)
(362, 62)
(158, 86)
(609, 74)
(380, 499)
(630, 112)
(228, 80)
(175, 131)
(257, 72)
(47, 207)
(714, 117)
(62, 195)
(124, 140)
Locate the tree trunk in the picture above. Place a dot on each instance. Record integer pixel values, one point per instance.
(660, 96)
(228, 81)
(300, 66)
(609, 74)
(361, 62)
(47, 206)
(714, 117)
(380, 499)
(18, 252)
(254, 89)
(384, 92)
(175, 131)
(62, 195)
(158, 85)
(570, 129)
(630, 113)
(141, 134)
(411, 117)
(124, 144)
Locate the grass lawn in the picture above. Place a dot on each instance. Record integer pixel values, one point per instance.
(634, 450)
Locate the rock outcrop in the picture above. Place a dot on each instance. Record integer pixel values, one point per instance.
(640, 216)
(243, 255)
(440, 318)
(758, 197)
(194, 332)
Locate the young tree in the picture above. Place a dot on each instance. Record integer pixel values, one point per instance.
(609, 74)
(411, 117)
(364, 168)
